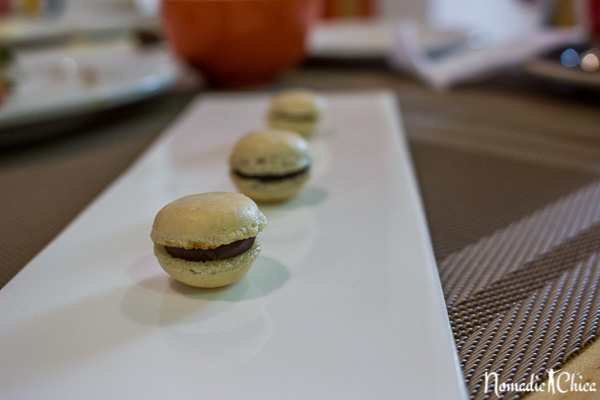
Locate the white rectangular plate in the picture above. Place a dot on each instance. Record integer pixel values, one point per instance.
(344, 301)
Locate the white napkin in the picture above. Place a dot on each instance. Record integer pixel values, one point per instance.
(467, 64)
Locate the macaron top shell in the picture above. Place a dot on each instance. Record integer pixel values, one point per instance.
(270, 151)
(207, 220)
(298, 102)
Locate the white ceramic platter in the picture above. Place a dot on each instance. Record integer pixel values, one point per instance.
(344, 301)
(68, 81)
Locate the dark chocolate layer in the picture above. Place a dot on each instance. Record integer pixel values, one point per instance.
(294, 117)
(220, 253)
(272, 177)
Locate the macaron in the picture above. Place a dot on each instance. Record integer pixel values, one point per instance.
(208, 240)
(296, 110)
(270, 165)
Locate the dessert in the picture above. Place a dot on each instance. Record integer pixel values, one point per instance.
(270, 165)
(296, 110)
(208, 240)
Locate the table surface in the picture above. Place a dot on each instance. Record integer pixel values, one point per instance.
(498, 163)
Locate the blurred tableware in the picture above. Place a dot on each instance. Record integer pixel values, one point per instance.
(237, 43)
(64, 21)
(354, 38)
(500, 20)
(61, 83)
(20, 31)
(473, 62)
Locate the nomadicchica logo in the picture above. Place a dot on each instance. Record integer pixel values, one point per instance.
(557, 382)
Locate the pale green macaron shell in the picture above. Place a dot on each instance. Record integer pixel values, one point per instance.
(270, 153)
(296, 110)
(207, 221)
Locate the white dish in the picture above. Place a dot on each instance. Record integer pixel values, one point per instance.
(67, 81)
(344, 301)
(370, 38)
(22, 31)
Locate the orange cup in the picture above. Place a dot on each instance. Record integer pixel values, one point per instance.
(239, 42)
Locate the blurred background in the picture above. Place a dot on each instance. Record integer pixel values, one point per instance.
(64, 59)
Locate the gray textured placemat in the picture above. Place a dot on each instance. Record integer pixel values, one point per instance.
(518, 250)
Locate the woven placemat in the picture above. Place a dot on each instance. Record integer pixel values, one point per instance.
(46, 184)
(518, 250)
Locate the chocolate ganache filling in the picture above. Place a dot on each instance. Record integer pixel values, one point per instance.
(294, 117)
(219, 253)
(272, 177)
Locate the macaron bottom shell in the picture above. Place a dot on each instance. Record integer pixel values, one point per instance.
(207, 274)
(304, 128)
(271, 191)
